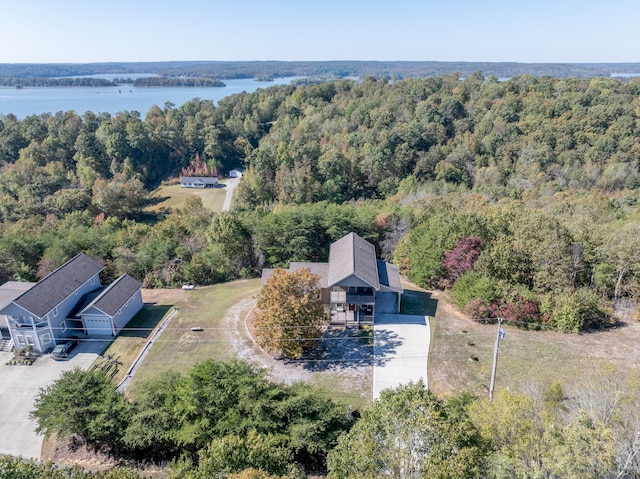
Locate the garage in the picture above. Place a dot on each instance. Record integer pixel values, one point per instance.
(97, 325)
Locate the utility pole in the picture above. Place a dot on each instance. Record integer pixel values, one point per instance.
(499, 336)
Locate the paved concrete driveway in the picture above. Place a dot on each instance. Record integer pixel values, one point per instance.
(19, 386)
(400, 350)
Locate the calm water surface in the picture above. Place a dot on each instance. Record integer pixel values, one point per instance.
(34, 101)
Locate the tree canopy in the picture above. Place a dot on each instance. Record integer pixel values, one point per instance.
(290, 318)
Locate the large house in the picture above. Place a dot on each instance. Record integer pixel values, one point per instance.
(70, 302)
(354, 284)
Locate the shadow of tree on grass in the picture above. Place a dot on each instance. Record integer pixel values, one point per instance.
(143, 323)
(351, 348)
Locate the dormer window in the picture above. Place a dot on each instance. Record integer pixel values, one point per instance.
(55, 312)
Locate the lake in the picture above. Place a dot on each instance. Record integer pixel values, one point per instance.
(34, 101)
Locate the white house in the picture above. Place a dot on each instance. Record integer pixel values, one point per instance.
(235, 173)
(198, 181)
(51, 309)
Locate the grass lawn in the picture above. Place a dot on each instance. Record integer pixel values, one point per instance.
(461, 354)
(179, 347)
(172, 196)
(342, 367)
(130, 342)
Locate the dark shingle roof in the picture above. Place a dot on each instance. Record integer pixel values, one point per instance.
(116, 295)
(389, 277)
(352, 255)
(63, 282)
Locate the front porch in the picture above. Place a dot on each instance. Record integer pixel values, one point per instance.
(351, 314)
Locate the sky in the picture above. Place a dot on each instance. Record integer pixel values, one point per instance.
(528, 31)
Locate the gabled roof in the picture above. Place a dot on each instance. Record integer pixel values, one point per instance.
(389, 277)
(112, 299)
(351, 255)
(63, 282)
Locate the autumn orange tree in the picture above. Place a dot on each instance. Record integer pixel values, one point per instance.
(291, 318)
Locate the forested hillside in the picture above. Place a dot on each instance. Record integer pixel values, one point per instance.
(520, 195)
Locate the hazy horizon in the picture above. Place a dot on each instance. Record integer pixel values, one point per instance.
(496, 31)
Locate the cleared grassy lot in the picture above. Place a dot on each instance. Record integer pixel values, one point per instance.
(342, 366)
(168, 197)
(461, 354)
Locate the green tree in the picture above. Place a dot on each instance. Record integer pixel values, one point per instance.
(83, 403)
(408, 433)
(233, 454)
(291, 318)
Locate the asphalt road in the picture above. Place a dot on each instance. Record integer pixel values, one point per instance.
(19, 386)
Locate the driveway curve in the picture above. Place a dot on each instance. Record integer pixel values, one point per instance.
(400, 350)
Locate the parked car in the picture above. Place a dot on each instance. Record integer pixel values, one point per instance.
(62, 350)
(188, 287)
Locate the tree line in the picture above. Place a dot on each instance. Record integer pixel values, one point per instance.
(520, 195)
(336, 68)
(224, 420)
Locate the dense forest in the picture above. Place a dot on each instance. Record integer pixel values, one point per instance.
(520, 195)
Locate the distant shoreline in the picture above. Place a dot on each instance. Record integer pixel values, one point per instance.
(227, 70)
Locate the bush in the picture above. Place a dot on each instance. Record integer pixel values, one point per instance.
(473, 286)
(574, 311)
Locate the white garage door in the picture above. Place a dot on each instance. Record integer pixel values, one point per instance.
(97, 325)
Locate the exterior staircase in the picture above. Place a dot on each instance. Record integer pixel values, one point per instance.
(6, 344)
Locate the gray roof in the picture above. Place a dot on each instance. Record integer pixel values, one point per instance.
(11, 290)
(207, 180)
(112, 299)
(352, 255)
(266, 274)
(63, 282)
(319, 269)
(389, 277)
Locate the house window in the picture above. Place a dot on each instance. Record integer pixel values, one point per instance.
(30, 340)
(93, 281)
(45, 338)
(63, 326)
(55, 311)
(21, 341)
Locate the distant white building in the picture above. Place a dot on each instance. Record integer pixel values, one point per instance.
(235, 173)
(199, 181)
